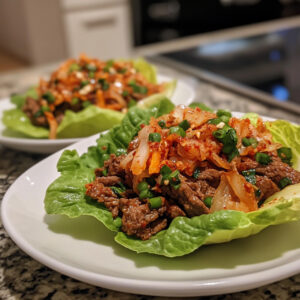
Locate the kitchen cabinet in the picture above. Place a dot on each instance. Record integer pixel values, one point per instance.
(102, 32)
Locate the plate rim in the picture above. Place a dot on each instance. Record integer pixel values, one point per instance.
(146, 287)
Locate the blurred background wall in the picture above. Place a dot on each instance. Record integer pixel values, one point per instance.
(41, 31)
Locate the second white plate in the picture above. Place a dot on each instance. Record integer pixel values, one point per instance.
(183, 94)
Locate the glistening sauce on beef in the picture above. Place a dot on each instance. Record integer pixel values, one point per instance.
(185, 168)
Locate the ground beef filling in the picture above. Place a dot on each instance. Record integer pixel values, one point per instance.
(138, 219)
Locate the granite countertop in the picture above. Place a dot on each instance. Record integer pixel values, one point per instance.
(21, 277)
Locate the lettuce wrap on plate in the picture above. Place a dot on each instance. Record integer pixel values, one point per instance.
(84, 97)
(169, 180)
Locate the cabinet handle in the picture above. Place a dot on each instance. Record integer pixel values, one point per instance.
(108, 21)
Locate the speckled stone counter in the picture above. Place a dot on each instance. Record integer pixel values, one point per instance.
(21, 277)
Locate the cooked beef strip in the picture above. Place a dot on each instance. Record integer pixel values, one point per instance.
(138, 219)
(212, 176)
(277, 170)
(246, 164)
(266, 186)
(186, 197)
(174, 211)
(103, 194)
(109, 180)
(113, 165)
(30, 108)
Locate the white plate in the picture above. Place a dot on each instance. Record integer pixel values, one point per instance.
(84, 249)
(183, 93)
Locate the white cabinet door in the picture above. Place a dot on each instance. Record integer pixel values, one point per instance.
(100, 32)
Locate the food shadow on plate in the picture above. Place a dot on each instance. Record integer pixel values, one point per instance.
(268, 245)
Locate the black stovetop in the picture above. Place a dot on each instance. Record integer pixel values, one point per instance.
(269, 62)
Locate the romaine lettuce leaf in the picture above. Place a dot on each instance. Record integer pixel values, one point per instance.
(184, 235)
(288, 135)
(253, 117)
(89, 121)
(17, 121)
(148, 70)
(19, 99)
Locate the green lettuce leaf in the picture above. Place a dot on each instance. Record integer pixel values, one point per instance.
(184, 235)
(288, 135)
(17, 121)
(253, 117)
(148, 70)
(19, 99)
(201, 105)
(89, 121)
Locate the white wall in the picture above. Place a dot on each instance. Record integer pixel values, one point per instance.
(32, 30)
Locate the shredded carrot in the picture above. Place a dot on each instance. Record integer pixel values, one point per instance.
(155, 163)
(52, 124)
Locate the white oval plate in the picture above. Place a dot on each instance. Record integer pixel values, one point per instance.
(183, 92)
(84, 249)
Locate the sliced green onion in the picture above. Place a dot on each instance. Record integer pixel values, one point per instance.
(162, 123)
(285, 154)
(262, 158)
(214, 121)
(132, 103)
(91, 68)
(250, 142)
(122, 71)
(143, 186)
(177, 130)
(174, 179)
(185, 125)
(250, 176)
(117, 190)
(169, 177)
(222, 112)
(227, 136)
(233, 154)
(207, 201)
(74, 67)
(165, 170)
(154, 137)
(86, 104)
(104, 84)
(39, 113)
(84, 83)
(91, 74)
(225, 119)
(139, 89)
(49, 97)
(155, 202)
(45, 108)
(285, 181)
(74, 101)
(110, 63)
(196, 173)
(145, 194)
(125, 93)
